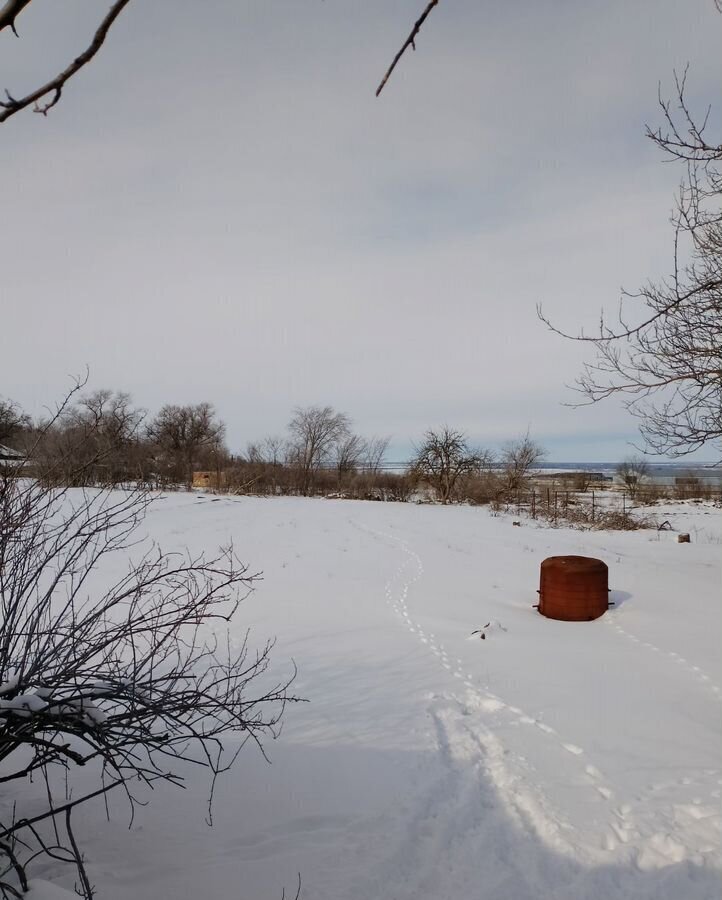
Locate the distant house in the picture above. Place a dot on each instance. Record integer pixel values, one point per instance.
(7, 454)
(212, 481)
(11, 459)
(571, 477)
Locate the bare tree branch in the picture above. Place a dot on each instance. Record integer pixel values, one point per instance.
(409, 42)
(9, 12)
(79, 862)
(6, 848)
(55, 85)
(663, 356)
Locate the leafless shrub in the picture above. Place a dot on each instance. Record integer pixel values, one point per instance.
(582, 481)
(632, 473)
(389, 486)
(487, 488)
(649, 494)
(126, 680)
(620, 520)
(691, 487)
(581, 513)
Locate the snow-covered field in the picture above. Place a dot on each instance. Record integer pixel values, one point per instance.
(550, 760)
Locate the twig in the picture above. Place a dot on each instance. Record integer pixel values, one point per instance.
(298, 890)
(19, 871)
(84, 880)
(10, 12)
(409, 42)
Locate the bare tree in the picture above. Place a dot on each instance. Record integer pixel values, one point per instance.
(632, 472)
(110, 413)
(375, 451)
(126, 681)
(254, 453)
(349, 451)
(59, 449)
(104, 431)
(186, 434)
(262, 467)
(273, 448)
(444, 459)
(518, 458)
(315, 431)
(664, 356)
(13, 421)
(270, 450)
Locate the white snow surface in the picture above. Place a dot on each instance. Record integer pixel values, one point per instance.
(550, 760)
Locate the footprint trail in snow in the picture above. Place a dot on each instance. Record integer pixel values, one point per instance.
(513, 777)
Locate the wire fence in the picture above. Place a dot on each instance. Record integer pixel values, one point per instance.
(603, 508)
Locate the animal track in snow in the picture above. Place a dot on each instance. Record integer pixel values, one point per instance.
(478, 697)
(626, 828)
(688, 825)
(572, 748)
(611, 620)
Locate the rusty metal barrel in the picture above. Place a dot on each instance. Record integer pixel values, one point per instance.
(573, 588)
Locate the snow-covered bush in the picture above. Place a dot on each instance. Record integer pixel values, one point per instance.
(125, 680)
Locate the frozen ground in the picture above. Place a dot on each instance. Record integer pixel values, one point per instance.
(550, 760)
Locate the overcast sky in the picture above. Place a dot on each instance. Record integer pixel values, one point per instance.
(220, 209)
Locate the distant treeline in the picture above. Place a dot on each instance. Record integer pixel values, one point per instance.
(102, 438)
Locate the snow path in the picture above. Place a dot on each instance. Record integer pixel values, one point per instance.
(551, 760)
(479, 740)
(507, 773)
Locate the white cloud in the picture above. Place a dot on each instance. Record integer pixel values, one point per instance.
(220, 209)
